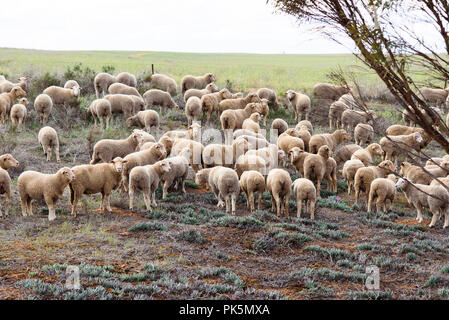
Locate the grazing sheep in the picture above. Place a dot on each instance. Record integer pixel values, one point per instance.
(139, 104)
(345, 152)
(107, 149)
(193, 132)
(156, 97)
(410, 119)
(250, 162)
(364, 176)
(144, 119)
(270, 154)
(19, 112)
(5, 188)
(304, 190)
(367, 155)
(287, 141)
(384, 190)
(255, 142)
(196, 148)
(279, 126)
(163, 82)
(224, 155)
(279, 185)
(91, 179)
(239, 103)
(189, 82)
(416, 174)
(6, 86)
(332, 140)
(393, 146)
(224, 182)
(43, 106)
(193, 109)
(270, 95)
(436, 198)
(146, 179)
(350, 168)
(398, 130)
(7, 99)
(437, 96)
(101, 109)
(252, 123)
(351, 118)
(120, 88)
(300, 103)
(126, 78)
(210, 103)
(62, 96)
(69, 84)
(121, 103)
(168, 142)
(179, 169)
(304, 134)
(336, 110)
(240, 132)
(297, 157)
(363, 134)
(315, 167)
(436, 161)
(305, 124)
(48, 139)
(210, 88)
(329, 91)
(39, 186)
(251, 182)
(102, 81)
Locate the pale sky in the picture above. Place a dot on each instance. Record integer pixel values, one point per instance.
(156, 25)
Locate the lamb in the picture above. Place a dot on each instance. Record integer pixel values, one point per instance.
(126, 79)
(193, 109)
(101, 109)
(350, 168)
(251, 182)
(398, 130)
(319, 166)
(48, 139)
(163, 82)
(332, 140)
(6, 161)
(416, 174)
(329, 91)
(179, 169)
(38, 186)
(279, 185)
(270, 95)
(146, 179)
(384, 190)
(107, 149)
(364, 177)
(6, 86)
(233, 119)
(69, 84)
(120, 88)
(144, 119)
(239, 103)
(193, 132)
(297, 157)
(189, 82)
(196, 149)
(304, 190)
(43, 106)
(252, 123)
(210, 88)
(367, 155)
(345, 152)
(141, 158)
(121, 103)
(19, 112)
(139, 104)
(392, 146)
(350, 118)
(305, 124)
(286, 142)
(279, 126)
(62, 96)
(300, 103)
(7, 99)
(99, 178)
(250, 162)
(363, 134)
(210, 102)
(336, 110)
(436, 198)
(102, 81)
(437, 96)
(224, 182)
(224, 155)
(156, 97)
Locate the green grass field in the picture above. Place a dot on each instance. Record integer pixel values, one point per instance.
(281, 72)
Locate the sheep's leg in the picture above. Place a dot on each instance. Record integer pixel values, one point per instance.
(29, 207)
(147, 199)
(380, 203)
(435, 217)
(74, 203)
(370, 202)
(57, 154)
(51, 212)
(357, 191)
(278, 204)
(221, 203)
(312, 209)
(251, 201)
(228, 203)
(272, 202)
(7, 197)
(446, 218)
(108, 201)
(286, 199)
(318, 188)
(131, 199)
(330, 123)
(419, 216)
(233, 201)
(154, 197)
(108, 119)
(101, 122)
(102, 202)
(259, 199)
(298, 205)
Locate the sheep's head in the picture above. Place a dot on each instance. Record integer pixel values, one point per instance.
(7, 161)
(392, 177)
(342, 135)
(24, 101)
(139, 104)
(210, 77)
(22, 79)
(67, 174)
(76, 91)
(195, 131)
(253, 97)
(225, 94)
(401, 184)
(137, 137)
(212, 87)
(255, 117)
(202, 177)
(418, 137)
(237, 95)
(290, 94)
(17, 91)
(164, 165)
(375, 149)
(167, 142)
(294, 153)
(387, 166)
(292, 132)
(445, 165)
(404, 167)
(131, 121)
(159, 150)
(324, 151)
(240, 145)
(118, 164)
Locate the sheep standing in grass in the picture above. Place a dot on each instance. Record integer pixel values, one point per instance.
(363, 134)
(102, 81)
(144, 119)
(316, 168)
(304, 190)
(279, 185)
(193, 109)
(436, 198)
(345, 153)
(393, 146)
(6, 161)
(224, 155)
(270, 95)
(156, 97)
(224, 183)
(163, 82)
(398, 130)
(233, 119)
(99, 178)
(179, 169)
(250, 162)
(300, 103)
(332, 140)
(351, 118)
(239, 103)
(192, 82)
(416, 174)
(146, 179)
(251, 182)
(210, 88)
(252, 123)
(48, 139)
(367, 155)
(43, 106)
(349, 171)
(62, 96)
(6, 86)
(329, 91)
(210, 103)
(120, 88)
(297, 158)
(364, 177)
(7, 100)
(306, 125)
(107, 149)
(121, 103)
(38, 186)
(196, 155)
(279, 126)
(384, 190)
(437, 96)
(19, 112)
(101, 109)
(288, 140)
(69, 84)
(336, 110)
(126, 78)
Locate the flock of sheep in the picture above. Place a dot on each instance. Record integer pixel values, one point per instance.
(246, 162)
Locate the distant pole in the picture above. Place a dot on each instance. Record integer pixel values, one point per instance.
(152, 68)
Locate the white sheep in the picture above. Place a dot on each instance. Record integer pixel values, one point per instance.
(250, 182)
(279, 185)
(48, 139)
(304, 190)
(43, 106)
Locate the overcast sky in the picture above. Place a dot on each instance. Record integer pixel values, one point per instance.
(156, 25)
